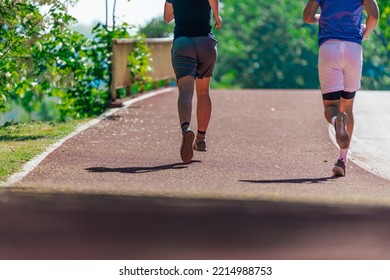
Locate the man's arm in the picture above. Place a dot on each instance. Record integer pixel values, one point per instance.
(372, 10)
(168, 12)
(214, 4)
(309, 13)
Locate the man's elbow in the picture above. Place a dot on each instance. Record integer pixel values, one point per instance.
(308, 19)
(374, 16)
(372, 10)
(168, 19)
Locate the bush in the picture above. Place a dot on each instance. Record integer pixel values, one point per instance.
(42, 57)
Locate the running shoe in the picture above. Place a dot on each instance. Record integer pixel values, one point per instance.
(342, 136)
(186, 151)
(339, 168)
(199, 145)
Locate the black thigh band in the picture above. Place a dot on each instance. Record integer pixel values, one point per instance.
(332, 95)
(348, 95)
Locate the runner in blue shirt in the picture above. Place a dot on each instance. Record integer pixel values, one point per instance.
(340, 36)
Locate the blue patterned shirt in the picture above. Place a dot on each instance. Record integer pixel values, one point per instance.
(340, 20)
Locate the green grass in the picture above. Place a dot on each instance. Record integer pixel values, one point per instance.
(20, 143)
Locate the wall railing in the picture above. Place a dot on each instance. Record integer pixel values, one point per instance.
(161, 62)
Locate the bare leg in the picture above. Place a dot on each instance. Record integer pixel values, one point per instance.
(204, 103)
(184, 103)
(346, 105)
(331, 109)
(334, 108)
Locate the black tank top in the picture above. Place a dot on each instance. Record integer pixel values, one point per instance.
(192, 18)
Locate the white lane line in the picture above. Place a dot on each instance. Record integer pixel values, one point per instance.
(30, 165)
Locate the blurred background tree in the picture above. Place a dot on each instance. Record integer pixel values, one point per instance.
(47, 69)
(265, 44)
(23, 28)
(376, 53)
(384, 22)
(157, 28)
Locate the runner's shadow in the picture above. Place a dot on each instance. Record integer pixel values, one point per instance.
(137, 170)
(113, 118)
(292, 181)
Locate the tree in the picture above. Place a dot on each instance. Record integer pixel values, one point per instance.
(42, 57)
(384, 22)
(265, 44)
(157, 28)
(260, 46)
(22, 30)
(113, 14)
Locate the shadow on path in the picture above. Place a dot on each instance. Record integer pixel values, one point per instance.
(146, 169)
(47, 226)
(292, 181)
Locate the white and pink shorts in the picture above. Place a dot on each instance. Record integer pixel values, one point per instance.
(340, 66)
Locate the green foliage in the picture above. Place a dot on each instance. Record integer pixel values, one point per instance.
(88, 63)
(265, 44)
(139, 63)
(157, 28)
(384, 22)
(376, 68)
(261, 46)
(42, 57)
(22, 29)
(381, 41)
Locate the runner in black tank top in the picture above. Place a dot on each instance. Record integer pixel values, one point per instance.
(194, 54)
(192, 18)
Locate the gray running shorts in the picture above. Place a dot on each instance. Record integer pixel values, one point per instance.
(194, 56)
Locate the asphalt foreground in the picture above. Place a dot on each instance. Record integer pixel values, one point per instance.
(263, 190)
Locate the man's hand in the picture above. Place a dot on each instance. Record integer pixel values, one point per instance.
(214, 5)
(372, 10)
(365, 36)
(218, 22)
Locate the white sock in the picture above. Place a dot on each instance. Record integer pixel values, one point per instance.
(334, 120)
(343, 155)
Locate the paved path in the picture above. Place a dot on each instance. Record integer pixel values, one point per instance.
(269, 145)
(34, 226)
(264, 189)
